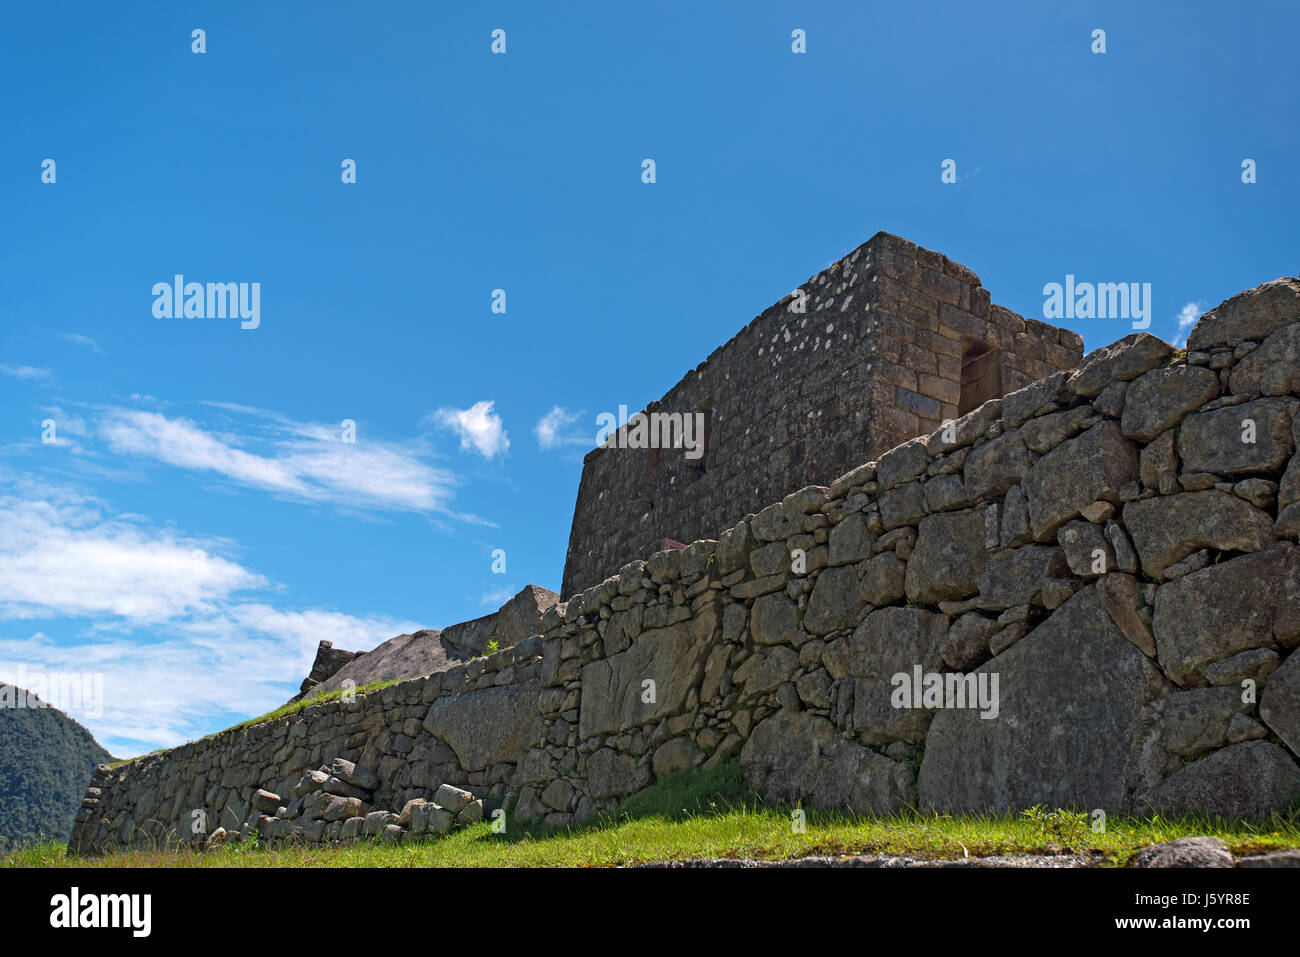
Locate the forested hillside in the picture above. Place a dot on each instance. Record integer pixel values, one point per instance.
(45, 761)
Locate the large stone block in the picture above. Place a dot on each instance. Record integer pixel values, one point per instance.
(1244, 780)
(1071, 697)
(835, 601)
(1158, 400)
(1273, 368)
(794, 757)
(486, 727)
(1240, 439)
(1279, 706)
(673, 658)
(1120, 361)
(613, 774)
(1168, 528)
(995, 466)
(1252, 314)
(891, 641)
(1017, 576)
(948, 559)
(1220, 611)
(1092, 467)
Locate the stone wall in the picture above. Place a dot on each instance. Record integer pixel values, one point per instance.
(875, 357)
(1103, 563)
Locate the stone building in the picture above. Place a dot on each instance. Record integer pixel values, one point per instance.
(884, 345)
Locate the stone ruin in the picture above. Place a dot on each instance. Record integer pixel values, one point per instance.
(1084, 593)
(879, 347)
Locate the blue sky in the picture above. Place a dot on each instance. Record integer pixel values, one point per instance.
(197, 525)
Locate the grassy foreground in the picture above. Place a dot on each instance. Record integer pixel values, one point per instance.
(706, 815)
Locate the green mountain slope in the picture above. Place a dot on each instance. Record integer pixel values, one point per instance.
(46, 760)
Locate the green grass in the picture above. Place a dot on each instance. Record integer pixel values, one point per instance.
(281, 712)
(704, 815)
(309, 702)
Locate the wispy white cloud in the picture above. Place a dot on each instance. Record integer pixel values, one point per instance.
(1186, 319)
(478, 426)
(552, 429)
(78, 339)
(24, 372)
(60, 555)
(498, 597)
(304, 461)
(174, 623)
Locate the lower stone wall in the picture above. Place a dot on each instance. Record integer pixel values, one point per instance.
(1085, 594)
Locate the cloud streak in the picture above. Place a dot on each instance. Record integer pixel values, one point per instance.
(302, 461)
(177, 629)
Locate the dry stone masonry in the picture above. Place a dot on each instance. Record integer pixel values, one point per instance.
(881, 346)
(1084, 593)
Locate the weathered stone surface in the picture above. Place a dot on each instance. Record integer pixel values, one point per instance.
(376, 821)
(1158, 400)
(1255, 664)
(612, 774)
(354, 774)
(1186, 852)
(1192, 723)
(767, 668)
(1288, 858)
(902, 463)
(1087, 550)
(799, 758)
(946, 492)
(966, 645)
(1048, 431)
(903, 506)
(1168, 528)
(679, 754)
(452, 798)
(672, 657)
(774, 619)
(1035, 399)
(1273, 368)
(835, 602)
(471, 814)
(1240, 781)
(1068, 691)
(884, 579)
(1015, 519)
(888, 642)
(1217, 612)
(850, 540)
(1240, 439)
(486, 727)
(995, 466)
(1252, 314)
(1092, 467)
(335, 808)
(265, 801)
(1121, 598)
(948, 559)
(310, 781)
(1279, 706)
(1158, 458)
(1120, 361)
(1019, 576)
